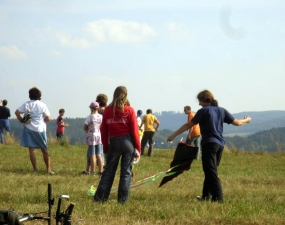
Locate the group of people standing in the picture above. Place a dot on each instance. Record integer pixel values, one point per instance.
(118, 128)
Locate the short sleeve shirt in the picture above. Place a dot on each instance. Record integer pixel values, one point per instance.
(149, 120)
(93, 135)
(38, 112)
(211, 119)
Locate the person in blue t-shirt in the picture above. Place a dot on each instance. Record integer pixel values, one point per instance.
(211, 118)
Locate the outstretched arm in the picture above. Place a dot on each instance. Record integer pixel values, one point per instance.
(240, 122)
(183, 128)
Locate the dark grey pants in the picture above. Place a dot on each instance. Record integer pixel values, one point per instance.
(211, 157)
(147, 137)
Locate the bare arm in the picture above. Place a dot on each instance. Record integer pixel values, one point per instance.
(240, 122)
(157, 125)
(189, 133)
(183, 128)
(47, 119)
(64, 124)
(18, 115)
(85, 128)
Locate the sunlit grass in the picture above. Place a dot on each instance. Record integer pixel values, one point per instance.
(253, 185)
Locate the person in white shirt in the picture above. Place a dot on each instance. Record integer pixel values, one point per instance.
(34, 132)
(139, 120)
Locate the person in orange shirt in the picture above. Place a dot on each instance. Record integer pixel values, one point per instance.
(194, 135)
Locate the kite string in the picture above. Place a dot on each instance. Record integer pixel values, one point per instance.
(146, 180)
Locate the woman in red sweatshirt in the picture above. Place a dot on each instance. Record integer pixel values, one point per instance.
(120, 138)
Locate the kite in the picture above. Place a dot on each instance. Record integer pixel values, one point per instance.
(183, 157)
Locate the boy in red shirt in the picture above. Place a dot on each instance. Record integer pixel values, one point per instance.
(60, 125)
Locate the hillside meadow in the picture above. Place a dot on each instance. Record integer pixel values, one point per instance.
(253, 184)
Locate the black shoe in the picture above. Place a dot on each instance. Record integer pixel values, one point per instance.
(201, 198)
(84, 173)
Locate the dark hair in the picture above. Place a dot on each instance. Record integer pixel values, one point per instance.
(187, 107)
(208, 97)
(61, 111)
(5, 102)
(102, 99)
(35, 94)
(148, 111)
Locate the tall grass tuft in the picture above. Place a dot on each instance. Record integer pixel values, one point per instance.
(10, 139)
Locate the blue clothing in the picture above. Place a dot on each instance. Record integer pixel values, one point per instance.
(4, 122)
(120, 147)
(34, 139)
(93, 150)
(211, 119)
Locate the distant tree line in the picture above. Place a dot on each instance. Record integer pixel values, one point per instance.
(262, 134)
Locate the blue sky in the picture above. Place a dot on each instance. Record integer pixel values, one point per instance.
(164, 52)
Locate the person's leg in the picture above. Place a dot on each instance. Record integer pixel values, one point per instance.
(126, 170)
(33, 158)
(46, 159)
(98, 157)
(2, 138)
(107, 179)
(7, 126)
(102, 155)
(144, 140)
(92, 158)
(196, 142)
(205, 191)
(150, 143)
(211, 156)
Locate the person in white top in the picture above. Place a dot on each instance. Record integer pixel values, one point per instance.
(93, 139)
(34, 132)
(139, 120)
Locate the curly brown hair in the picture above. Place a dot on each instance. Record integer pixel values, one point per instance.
(35, 94)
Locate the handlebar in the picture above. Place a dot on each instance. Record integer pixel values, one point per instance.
(60, 217)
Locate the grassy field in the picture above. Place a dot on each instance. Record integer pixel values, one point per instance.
(253, 184)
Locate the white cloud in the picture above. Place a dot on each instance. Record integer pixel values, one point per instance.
(118, 31)
(68, 41)
(56, 53)
(13, 53)
(180, 32)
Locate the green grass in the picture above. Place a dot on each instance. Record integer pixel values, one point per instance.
(253, 184)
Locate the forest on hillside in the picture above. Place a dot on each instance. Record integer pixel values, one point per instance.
(270, 140)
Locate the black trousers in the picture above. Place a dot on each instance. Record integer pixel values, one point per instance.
(211, 157)
(147, 137)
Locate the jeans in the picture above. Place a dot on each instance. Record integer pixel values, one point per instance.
(4, 125)
(211, 157)
(120, 147)
(93, 150)
(2, 137)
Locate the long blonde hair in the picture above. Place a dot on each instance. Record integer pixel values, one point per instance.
(119, 98)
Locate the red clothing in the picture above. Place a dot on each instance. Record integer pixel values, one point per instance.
(119, 123)
(59, 121)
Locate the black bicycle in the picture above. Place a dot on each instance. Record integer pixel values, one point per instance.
(11, 217)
